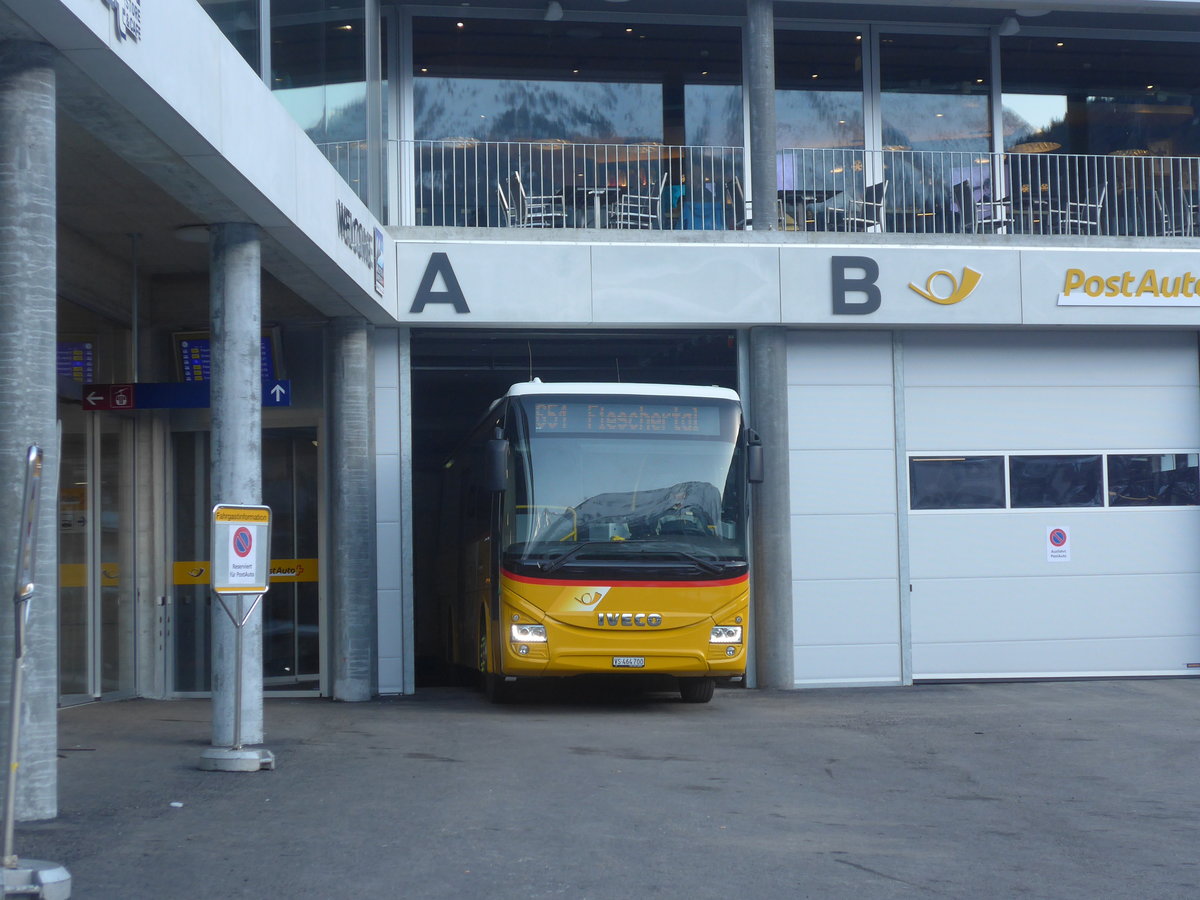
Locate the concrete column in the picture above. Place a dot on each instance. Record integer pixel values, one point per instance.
(760, 69)
(771, 576)
(352, 571)
(235, 297)
(373, 26)
(28, 283)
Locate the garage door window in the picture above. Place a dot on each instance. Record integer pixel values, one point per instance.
(956, 482)
(1050, 481)
(1153, 479)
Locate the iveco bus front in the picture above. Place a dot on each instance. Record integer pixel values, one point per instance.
(617, 514)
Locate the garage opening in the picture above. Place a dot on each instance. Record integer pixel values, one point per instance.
(457, 374)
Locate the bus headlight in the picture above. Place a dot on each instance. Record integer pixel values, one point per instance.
(726, 634)
(529, 634)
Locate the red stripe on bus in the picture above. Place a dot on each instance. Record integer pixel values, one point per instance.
(554, 582)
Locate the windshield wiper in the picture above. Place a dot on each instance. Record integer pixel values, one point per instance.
(711, 567)
(552, 564)
(635, 547)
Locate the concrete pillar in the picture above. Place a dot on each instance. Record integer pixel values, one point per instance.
(28, 286)
(760, 89)
(373, 26)
(771, 522)
(351, 460)
(235, 297)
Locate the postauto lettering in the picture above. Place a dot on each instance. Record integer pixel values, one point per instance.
(1148, 284)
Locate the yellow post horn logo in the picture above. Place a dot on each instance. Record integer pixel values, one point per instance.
(958, 290)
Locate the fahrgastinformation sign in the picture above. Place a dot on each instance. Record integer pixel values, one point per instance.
(241, 542)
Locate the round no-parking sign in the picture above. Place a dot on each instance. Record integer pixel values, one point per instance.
(1058, 544)
(243, 542)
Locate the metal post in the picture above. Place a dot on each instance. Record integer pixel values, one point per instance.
(236, 759)
(237, 681)
(31, 877)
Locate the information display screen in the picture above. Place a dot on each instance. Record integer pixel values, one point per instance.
(77, 361)
(625, 417)
(194, 356)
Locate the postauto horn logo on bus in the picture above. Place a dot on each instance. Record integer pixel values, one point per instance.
(1150, 287)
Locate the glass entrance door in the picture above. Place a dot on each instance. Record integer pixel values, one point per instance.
(96, 606)
(291, 608)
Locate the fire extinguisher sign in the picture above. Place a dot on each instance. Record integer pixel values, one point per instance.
(241, 543)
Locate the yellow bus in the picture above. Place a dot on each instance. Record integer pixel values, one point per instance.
(601, 528)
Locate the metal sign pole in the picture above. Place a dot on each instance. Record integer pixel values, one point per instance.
(239, 622)
(25, 877)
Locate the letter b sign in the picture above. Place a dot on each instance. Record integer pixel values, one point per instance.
(842, 285)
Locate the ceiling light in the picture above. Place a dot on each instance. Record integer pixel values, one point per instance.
(1009, 26)
(554, 11)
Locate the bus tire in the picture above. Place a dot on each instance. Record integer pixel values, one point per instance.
(697, 690)
(495, 688)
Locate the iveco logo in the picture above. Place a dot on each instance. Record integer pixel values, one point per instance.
(629, 620)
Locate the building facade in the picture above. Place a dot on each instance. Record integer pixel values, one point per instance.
(946, 256)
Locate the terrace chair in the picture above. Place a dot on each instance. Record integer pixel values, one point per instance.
(1179, 218)
(741, 206)
(983, 216)
(508, 215)
(863, 213)
(537, 210)
(964, 204)
(1083, 216)
(632, 210)
(993, 216)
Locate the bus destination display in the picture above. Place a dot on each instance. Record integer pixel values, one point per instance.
(626, 418)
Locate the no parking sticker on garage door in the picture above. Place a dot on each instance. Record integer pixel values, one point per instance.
(1058, 544)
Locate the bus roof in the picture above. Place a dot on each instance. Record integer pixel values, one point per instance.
(621, 389)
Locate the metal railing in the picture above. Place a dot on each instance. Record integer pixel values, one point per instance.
(977, 193)
(555, 184)
(350, 160)
(559, 184)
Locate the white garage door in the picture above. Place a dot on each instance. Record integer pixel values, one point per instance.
(1053, 525)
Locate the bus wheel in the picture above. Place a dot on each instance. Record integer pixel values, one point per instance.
(495, 688)
(696, 690)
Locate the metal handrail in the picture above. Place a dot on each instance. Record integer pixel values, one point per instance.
(460, 182)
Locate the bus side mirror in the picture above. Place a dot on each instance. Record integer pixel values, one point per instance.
(755, 470)
(495, 466)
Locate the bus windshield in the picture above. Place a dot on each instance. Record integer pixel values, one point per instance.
(635, 487)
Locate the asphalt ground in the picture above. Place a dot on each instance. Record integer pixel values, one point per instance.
(1039, 790)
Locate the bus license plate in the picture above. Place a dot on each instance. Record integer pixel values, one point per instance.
(629, 662)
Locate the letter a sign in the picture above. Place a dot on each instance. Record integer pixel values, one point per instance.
(241, 542)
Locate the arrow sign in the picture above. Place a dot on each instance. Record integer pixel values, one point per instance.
(277, 393)
(172, 395)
